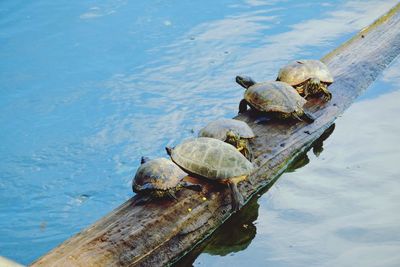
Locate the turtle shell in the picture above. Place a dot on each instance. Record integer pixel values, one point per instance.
(218, 129)
(210, 158)
(300, 71)
(157, 174)
(274, 97)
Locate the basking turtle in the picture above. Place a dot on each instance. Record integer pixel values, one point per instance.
(160, 178)
(275, 98)
(234, 132)
(308, 77)
(215, 160)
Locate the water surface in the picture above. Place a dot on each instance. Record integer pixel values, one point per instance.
(88, 88)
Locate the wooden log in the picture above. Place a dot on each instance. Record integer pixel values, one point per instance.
(4, 262)
(158, 232)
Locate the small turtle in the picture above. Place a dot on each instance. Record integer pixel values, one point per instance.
(234, 132)
(275, 98)
(159, 178)
(308, 77)
(215, 160)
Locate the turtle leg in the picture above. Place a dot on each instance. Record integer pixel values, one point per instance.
(168, 193)
(300, 89)
(243, 106)
(142, 200)
(171, 194)
(236, 196)
(194, 187)
(283, 116)
(296, 116)
(326, 94)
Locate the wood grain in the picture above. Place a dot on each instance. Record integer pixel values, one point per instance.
(158, 232)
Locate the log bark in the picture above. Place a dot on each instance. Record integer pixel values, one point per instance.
(158, 232)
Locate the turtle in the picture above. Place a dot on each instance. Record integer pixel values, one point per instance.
(213, 159)
(308, 77)
(234, 132)
(160, 178)
(273, 97)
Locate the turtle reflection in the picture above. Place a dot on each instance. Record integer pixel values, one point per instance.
(301, 161)
(236, 233)
(318, 144)
(317, 148)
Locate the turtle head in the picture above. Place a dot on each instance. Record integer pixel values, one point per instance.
(232, 138)
(144, 160)
(245, 81)
(169, 150)
(302, 115)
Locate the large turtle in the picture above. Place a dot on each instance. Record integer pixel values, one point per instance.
(215, 160)
(308, 77)
(276, 98)
(160, 178)
(234, 132)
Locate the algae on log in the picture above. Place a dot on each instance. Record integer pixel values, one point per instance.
(158, 232)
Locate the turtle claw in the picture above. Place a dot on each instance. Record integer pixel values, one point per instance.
(141, 201)
(172, 195)
(327, 95)
(308, 117)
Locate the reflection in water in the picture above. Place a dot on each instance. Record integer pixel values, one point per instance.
(239, 230)
(317, 148)
(300, 162)
(234, 235)
(89, 87)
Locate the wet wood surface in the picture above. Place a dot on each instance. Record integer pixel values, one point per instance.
(158, 232)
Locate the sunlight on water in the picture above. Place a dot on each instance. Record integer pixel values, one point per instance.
(90, 87)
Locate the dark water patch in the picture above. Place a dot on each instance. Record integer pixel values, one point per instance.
(88, 88)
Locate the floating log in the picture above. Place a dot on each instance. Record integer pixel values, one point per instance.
(158, 232)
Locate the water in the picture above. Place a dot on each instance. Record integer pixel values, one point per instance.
(88, 88)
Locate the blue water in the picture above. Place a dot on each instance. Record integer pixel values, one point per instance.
(87, 88)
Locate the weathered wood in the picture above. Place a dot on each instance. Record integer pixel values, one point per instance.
(4, 262)
(160, 231)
